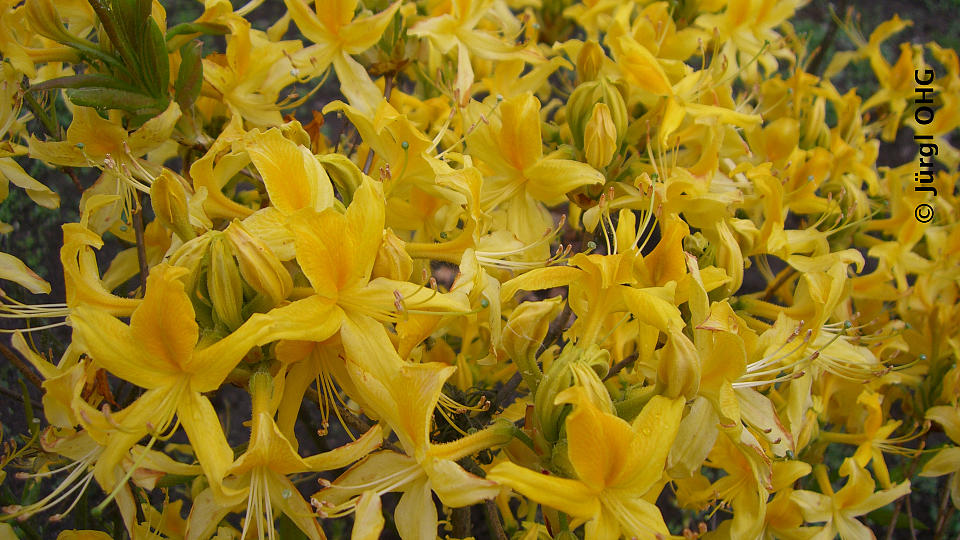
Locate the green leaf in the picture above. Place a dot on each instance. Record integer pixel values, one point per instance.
(85, 80)
(154, 61)
(197, 28)
(190, 77)
(113, 98)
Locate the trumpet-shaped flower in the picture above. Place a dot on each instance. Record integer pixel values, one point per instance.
(161, 351)
(618, 467)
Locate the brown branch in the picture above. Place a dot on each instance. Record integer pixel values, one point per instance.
(618, 367)
(493, 518)
(785, 275)
(814, 66)
(900, 501)
(943, 512)
(22, 367)
(460, 519)
(18, 397)
(73, 176)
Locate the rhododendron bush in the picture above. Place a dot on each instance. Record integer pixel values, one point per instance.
(480, 268)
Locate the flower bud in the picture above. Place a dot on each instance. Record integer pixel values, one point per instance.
(224, 287)
(525, 330)
(589, 61)
(392, 260)
(575, 365)
(600, 137)
(344, 174)
(169, 201)
(259, 266)
(581, 104)
(679, 370)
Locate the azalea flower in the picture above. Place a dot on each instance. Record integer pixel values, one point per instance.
(618, 466)
(839, 509)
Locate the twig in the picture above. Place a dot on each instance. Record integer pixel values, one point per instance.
(18, 397)
(943, 512)
(493, 518)
(831, 34)
(556, 329)
(73, 176)
(772, 289)
(618, 367)
(900, 501)
(460, 519)
(22, 367)
(387, 90)
(141, 246)
(913, 532)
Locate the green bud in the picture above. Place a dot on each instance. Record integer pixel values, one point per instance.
(224, 284)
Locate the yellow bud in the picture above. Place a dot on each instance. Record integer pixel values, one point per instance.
(679, 369)
(600, 137)
(392, 260)
(191, 255)
(589, 61)
(259, 266)
(575, 365)
(581, 104)
(524, 332)
(45, 21)
(224, 286)
(169, 200)
(346, 176)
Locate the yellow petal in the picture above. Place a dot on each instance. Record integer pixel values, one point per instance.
(368, 520)
(642, 69)
(363, 33)
(38, 193)
(348, 453)
(292, 175)
(164, 324)
(155, 131)
(12, 269)
(205, 433)
(945, 461)
(656, 428)
(599, 444)
(285, 497)
(416, 514)
(456, 487)
(948, 418)
(520, 140)
(549, 180)
(113, 346)
(365, 219)
(325, 250)
(563, 494)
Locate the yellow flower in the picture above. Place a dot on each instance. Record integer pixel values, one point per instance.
(459, 29)
(337, 253)
(259, 479)
(93, 141)
(338, 35)
(839, 509)
(250, 77)
(618, 468)
(521, 178)
(161, 351)
(405, 397)
(947, 460)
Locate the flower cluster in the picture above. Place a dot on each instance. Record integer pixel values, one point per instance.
(582, 265)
